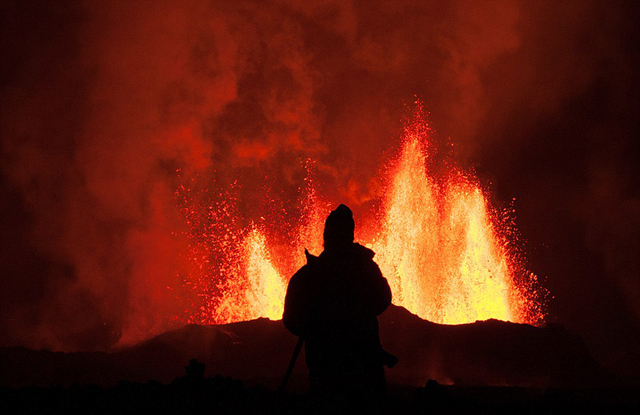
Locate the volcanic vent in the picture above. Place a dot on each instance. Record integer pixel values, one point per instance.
(448, 254)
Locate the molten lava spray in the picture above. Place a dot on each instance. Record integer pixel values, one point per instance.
(439, 247)
(438, 242)
(265, 289)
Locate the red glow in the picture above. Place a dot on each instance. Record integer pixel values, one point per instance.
(438, 241)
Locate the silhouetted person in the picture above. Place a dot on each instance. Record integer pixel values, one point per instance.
(332, 303)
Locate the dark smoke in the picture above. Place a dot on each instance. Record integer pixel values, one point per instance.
(103, 101)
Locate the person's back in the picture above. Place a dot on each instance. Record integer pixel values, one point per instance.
(333, 303)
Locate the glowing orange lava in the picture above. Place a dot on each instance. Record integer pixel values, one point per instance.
(262, 294)
(438, 243)
(438, 246)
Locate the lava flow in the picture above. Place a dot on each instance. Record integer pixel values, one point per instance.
(439, 243)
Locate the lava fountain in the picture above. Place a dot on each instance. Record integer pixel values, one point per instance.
(439, 243)
(439, 246)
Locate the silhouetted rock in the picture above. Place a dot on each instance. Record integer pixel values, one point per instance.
(195, 370)
(488, 352)
(483, 353)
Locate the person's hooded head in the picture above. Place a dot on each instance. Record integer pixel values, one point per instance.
(339, 228)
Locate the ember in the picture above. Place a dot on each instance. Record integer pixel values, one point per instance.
(445, 251)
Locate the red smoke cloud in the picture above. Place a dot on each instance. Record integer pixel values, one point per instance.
(103, 101)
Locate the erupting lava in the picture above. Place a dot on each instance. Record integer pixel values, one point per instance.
(438, 243)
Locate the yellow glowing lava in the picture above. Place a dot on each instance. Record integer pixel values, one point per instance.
(438, 247)
(436, 243)
(266, 287)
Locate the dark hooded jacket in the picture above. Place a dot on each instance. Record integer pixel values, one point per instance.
(333, 303)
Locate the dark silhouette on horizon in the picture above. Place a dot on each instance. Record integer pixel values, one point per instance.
(332, 303)
(191, 393)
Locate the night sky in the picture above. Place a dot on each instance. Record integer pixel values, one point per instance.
(101, 102)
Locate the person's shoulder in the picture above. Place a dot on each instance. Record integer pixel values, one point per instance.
(301, 272)
(306, 269)
(311, 259)
(363, 252)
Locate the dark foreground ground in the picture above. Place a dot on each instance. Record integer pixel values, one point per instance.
(556, 372)
(220, 395)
